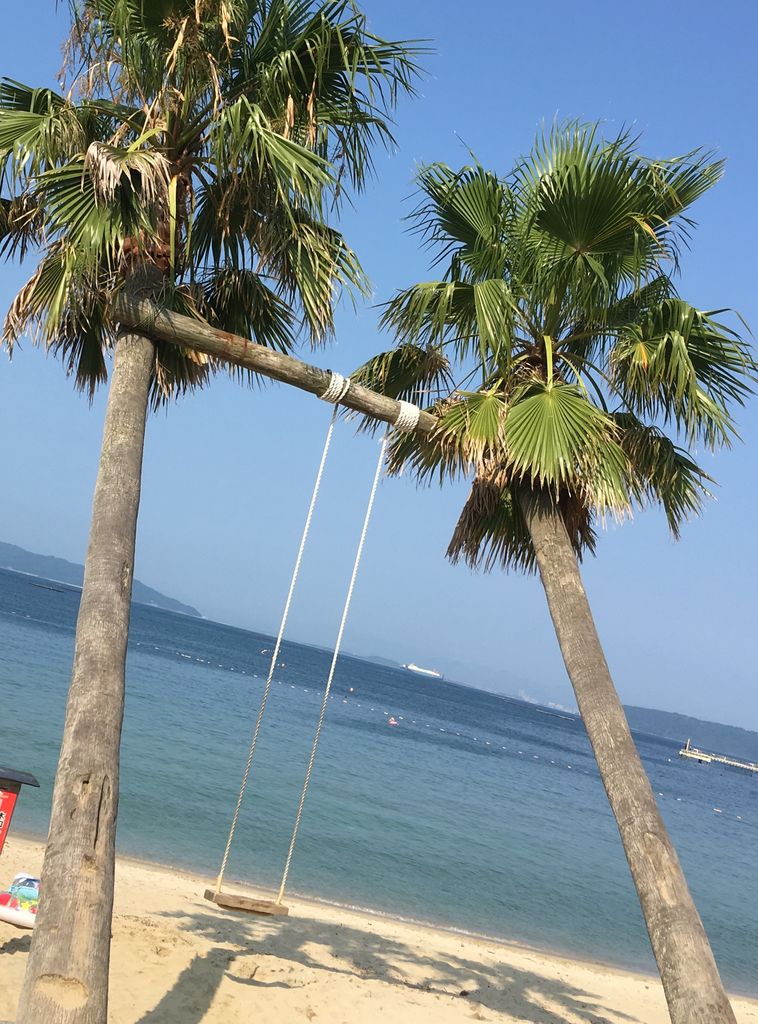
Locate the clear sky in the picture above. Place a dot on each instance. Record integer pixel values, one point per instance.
(228, 472)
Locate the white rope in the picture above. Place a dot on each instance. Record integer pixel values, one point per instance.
(337, 388)
(275, 655)
(407, 417)
(332, 667)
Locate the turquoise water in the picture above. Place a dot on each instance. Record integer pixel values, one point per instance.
(478, 812)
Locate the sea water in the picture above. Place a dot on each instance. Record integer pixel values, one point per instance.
(476, 812)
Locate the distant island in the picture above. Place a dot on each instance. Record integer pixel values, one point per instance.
(375, 659)
(51, 568)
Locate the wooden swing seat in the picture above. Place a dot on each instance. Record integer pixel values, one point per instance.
(231, 901)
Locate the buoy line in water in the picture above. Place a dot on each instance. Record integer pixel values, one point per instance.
(494, 747)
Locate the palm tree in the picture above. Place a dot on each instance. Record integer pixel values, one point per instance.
(585, 383)
(192, 162)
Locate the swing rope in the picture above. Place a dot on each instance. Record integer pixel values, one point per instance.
(406, 421)
(332, 667)
(335, 392)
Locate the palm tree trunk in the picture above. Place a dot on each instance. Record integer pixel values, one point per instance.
(66, 978)
(691, 981)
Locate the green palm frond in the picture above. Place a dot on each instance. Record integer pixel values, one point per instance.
(312, 264)
(360, 76)
(556, 439)
(37, 127)
(638, 302)
(674, 185)
(239, 301)
(465, 213)
(244, 142)
(19, 98)
(661, 472)
(558, 292)
(210, 139)
(684, 365)
(474, 422)
(433, 457)
(433, 312)
(76, 330)
(413, 373)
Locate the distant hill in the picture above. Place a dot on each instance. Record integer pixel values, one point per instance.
(384, 662)
(712, 736)
(13, 557)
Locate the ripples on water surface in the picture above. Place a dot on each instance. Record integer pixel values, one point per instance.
(477, 811)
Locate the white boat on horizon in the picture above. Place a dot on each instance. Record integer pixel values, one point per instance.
(430, 672)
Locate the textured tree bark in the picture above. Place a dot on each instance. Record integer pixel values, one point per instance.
(691, 982)
(66, 979)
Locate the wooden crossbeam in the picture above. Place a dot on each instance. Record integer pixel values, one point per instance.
(163, 325)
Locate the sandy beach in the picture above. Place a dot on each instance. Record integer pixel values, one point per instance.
(179, 960)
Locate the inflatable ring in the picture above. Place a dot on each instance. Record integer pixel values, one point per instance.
(18, 905)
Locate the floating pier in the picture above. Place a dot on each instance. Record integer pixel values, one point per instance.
(703, 757)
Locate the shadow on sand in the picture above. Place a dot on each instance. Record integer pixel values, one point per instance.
(364, 954)
(191, 997)
(18, 944)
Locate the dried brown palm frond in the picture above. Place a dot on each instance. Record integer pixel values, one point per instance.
(147, 172)
(19, 312)
(21, 226)
(491, 531)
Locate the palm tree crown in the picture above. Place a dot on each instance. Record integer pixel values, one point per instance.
(208, 137)
(585, 377)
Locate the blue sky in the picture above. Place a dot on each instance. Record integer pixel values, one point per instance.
(228, 472)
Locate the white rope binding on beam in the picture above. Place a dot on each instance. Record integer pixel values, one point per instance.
(337, 388)
(407, 418)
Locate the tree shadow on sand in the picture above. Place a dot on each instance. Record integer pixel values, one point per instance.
(343, 950)
(18, 944)
(191, 997)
